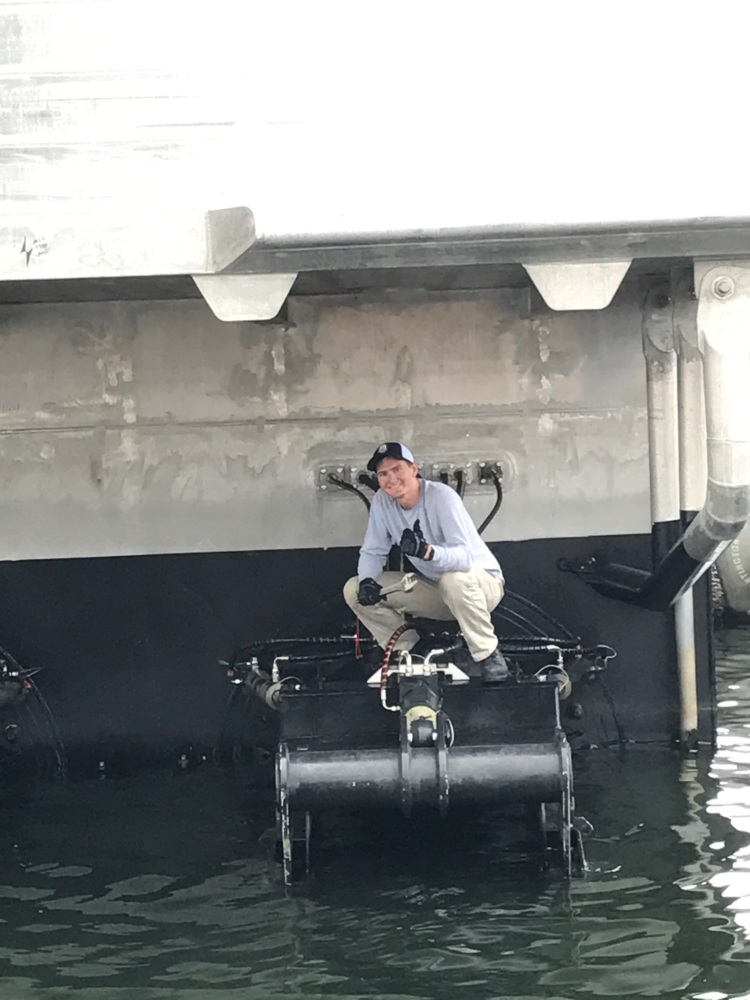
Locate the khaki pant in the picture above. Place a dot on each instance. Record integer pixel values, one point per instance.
(467, 598)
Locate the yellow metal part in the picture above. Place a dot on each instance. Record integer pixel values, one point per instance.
(418, 712)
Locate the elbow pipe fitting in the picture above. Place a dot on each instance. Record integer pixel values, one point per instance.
(722, 320)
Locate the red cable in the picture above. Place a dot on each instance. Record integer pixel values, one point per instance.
(387, 655)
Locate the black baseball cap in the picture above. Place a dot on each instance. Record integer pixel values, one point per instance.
(391, 449)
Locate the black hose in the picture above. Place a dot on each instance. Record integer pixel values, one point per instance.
(460, 483)
(57, 743)
(621, 736)
(244, 653)
(310, 640)
(343, 485)
(498, 501)
(541, 612)
(514, 618)
(520, 644)
(225, 721)
(310, 657)
(364, 479)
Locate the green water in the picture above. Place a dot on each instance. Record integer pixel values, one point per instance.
(164, 886)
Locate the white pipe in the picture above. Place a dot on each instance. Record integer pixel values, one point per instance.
(692, 433)
(661, 393)
(723, 320)
(684, 628)
(691, 420)
(723, 326)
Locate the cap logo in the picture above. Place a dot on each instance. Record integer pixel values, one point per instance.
(382, 448)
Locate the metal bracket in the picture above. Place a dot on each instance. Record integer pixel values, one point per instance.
(578, 284)
(656, 321)
(477, 475)
(345, 472)
(240, 298)
(440, 471)
(485, 470)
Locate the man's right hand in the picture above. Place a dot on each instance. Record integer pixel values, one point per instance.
(369, 592)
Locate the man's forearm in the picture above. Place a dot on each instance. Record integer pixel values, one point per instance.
(451, 559)
(370, 565)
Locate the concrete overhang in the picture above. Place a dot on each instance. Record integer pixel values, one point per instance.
(134, 241)
(244, 275)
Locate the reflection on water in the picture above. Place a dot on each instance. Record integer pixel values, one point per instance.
(163, 887)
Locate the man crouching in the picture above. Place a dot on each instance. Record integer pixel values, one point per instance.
(458, 579)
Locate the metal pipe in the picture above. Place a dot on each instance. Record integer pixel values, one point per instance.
(354, 778)
(723, 318)
(662, 403)
(684, 629)
(691, 415)
(693, 477)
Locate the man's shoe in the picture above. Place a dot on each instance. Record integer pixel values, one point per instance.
(494, 668)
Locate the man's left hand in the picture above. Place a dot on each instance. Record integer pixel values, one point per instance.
(413, 543)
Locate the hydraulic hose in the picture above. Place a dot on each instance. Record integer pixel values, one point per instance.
(498, 501)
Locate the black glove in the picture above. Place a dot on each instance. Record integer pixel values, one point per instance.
(413, 543)
(369, 592)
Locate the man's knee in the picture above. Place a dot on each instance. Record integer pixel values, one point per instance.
(351, 591)
(452, 584)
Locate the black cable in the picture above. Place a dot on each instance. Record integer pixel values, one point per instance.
(514, 618)
(460, 483)
(498, 501)
(343, 485)
(366, 480)
(519, 644)
(225, 722)
(540, 611)
(313, 640)
(35, 740)
(53, 733)
(621, 737)
(313, 657)
(59, 746)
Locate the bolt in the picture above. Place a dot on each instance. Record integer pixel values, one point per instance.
(323, 471)
(324, 487)
(340, 469)
(722, 287)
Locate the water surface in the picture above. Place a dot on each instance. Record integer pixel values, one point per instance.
(164, 886)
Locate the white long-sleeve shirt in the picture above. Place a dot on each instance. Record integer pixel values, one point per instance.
(445, 524)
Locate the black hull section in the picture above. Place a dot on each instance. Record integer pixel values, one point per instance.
(129, 646)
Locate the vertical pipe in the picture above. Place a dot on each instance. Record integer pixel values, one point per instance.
(684, 628)
(662, 402)
(693, 476)
(692, 430)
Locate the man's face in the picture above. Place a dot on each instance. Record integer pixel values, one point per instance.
(398, 479)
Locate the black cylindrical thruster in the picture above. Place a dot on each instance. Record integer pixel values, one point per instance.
(340, 778)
